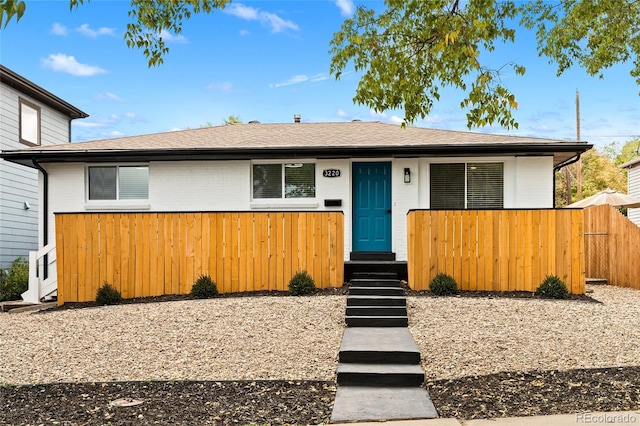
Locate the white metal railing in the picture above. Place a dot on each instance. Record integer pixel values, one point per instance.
(43, 281)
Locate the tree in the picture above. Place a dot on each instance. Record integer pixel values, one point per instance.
(148, 20)
(415, 47)
(232, 119)
(599, 171)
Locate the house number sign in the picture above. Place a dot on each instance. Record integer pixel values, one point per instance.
(331, 173)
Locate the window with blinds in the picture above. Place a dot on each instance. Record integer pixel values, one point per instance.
(288, 180)
(485, 186)
(467, 185)
(118, 182)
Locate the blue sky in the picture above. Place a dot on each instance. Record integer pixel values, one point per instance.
(266, 61)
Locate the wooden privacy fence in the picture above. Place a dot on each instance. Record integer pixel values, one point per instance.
(153, 254)
(612, 246)
(496, 250)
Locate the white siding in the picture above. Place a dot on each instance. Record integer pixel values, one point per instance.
(226, 186)
(19, 184)
(634, 190)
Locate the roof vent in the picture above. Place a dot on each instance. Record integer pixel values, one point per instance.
(254, 122)
(356, 120)
(296, 118)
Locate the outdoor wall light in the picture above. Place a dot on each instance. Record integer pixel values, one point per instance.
(407, 175)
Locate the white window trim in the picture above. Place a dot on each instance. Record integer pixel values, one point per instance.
(38, 110)
(284, 203)
(117, 204)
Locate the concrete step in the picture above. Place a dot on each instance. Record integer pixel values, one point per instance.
(374, 282)
(373, 311)
(352, 374)
(376, 301)
(379, 345)
(377, 321)
(376, 291)
(379, 404)
(376, 275)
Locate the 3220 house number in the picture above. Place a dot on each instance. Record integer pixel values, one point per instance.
(331, 173)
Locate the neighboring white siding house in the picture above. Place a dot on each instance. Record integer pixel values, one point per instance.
(633, 167)
(373, 172)
(29, 116)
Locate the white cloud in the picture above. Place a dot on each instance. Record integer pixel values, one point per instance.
(296, 79)
(346, 7)
(320, 77)
(272, 20)
(382, 116)
(59, 29)
(85, 30)
(116, 134)
(244, 33)
(242, 11)
(395, 119)
(225, 87)
(167, 36)
(109, 97)
(68, 64)
(107, 122)
(342, 113)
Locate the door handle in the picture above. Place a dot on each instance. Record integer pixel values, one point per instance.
(389, 211)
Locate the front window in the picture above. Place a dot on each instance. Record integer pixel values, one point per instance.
(118, 182)
(29, 123)
(467, 186)
(288, 180)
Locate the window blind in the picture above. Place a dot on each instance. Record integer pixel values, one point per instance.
(447, 186)
(485, 185)
(134, 183)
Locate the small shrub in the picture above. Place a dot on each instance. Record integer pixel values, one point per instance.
(108, 295)
(204, 288)
(15, 281)
(301, 284)
(443, 285)
(553, 287)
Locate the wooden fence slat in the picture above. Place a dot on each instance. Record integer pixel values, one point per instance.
(148, 254)
(504, 249)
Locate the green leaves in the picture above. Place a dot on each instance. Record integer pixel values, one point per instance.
(10, 9)
(594, 34)
(150, 18)
(408, 53)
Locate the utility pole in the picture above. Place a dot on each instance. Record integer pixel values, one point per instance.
(579, 162)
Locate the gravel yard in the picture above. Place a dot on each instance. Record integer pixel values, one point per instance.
(462, 336)
(272, 360)
(283, 338)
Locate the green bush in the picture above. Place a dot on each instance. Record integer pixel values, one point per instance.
(301, 284)
(553, 287)
(108, 295)
(15, 281)
(204, 288)
(443, 285)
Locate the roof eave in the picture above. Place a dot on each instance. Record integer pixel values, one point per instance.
(133, 155)
(29, 88)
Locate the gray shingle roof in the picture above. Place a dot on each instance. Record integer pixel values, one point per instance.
(292, 135)
(309, 140)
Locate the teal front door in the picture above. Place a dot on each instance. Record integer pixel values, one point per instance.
(372, 207)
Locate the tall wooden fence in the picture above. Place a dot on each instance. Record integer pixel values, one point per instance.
(496, 250)
(153, 254)
(612, 247)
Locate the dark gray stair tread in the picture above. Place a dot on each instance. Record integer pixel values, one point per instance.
(358, 403)
(379, 291)
(376, 300)
(393, 339)
(376, 311)
(358, 374)
(377, 275)
(373, 282)
(361, 350)
(377, 321)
